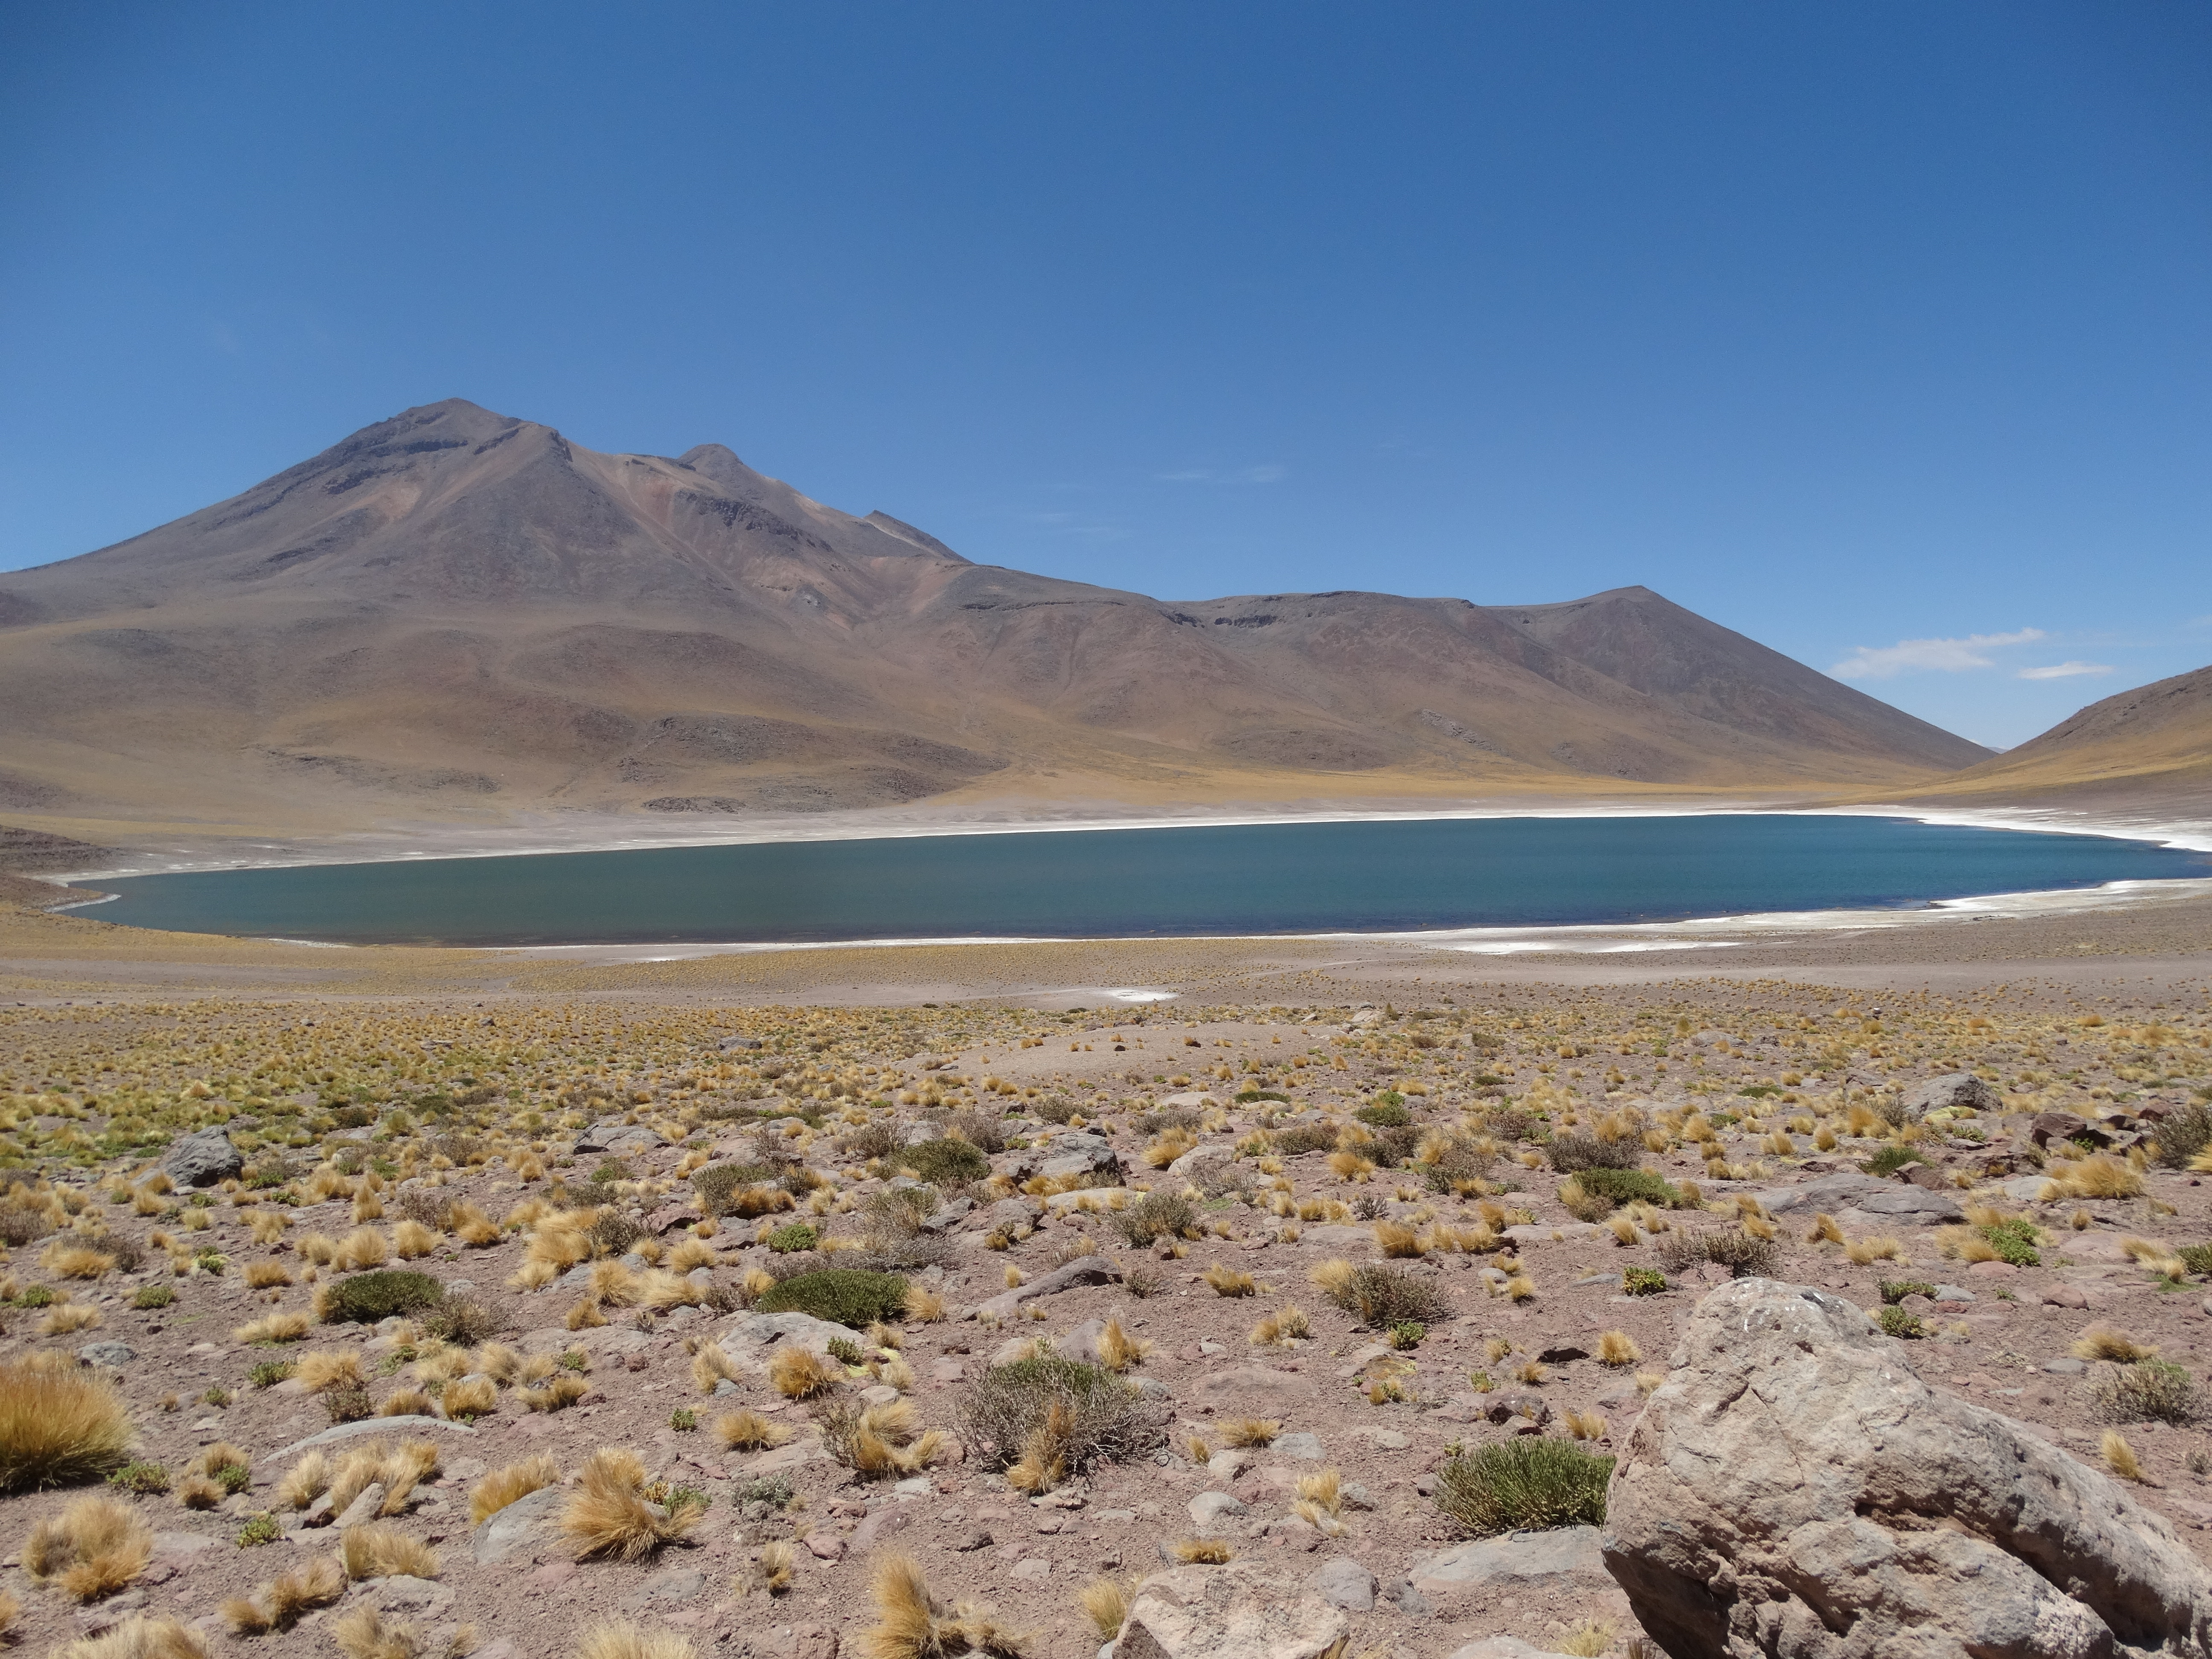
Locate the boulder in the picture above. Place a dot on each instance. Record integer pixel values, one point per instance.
(519, 1525)
(1240, 1610)
(753, 1339)
(111, 1353)
(1079, 1154)
(1794, 1488)
(618, 1139)
(730, 1042)
(1941, 1094)
(1343, 1582)
(1892, 1202)
(1084, 1270)
(1566, 1559)
(202, 1158)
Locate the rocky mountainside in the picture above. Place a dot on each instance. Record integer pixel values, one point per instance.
(454, 613)
(2147, 749)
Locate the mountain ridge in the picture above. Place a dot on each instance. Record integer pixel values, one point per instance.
(458, 612)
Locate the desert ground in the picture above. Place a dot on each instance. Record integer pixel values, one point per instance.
(1318, 1229)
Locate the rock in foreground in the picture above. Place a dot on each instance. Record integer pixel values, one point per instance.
(1240, 1610)
(1795, 1489)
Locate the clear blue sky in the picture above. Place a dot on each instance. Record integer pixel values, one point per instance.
(1872, 331)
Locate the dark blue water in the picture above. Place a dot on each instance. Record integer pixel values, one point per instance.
(1267, 878)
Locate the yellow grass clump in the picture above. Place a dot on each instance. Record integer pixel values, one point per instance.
(502, 1486)
(69, 1318)
(321, 1369)
(375, 1551)
(2103, 1342)
(2099, 1176)
(139, 1637)
(618, 1640)
(1230, 1281)
(60, 1424)
(610, 1515)
(274, 1328)
(364, 1246)
(1117, 1350)
(282, 1602)
(73, 1261)
(2119, 1456)
(557, 1394)
(800, 1373)
(91, 1549)
(1249, 1431)
(1617, 1348)
(1105, 1603)
(411, 1239)
(748, 1430)
(266, 1275)
(1201, 1552)
(911, 1624)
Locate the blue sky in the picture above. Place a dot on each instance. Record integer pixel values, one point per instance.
(1878, 333)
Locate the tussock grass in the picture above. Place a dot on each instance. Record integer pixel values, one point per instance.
(1044, 1418)
(748, 1430)
(1230, 1281)
(608, 1514)
(2104, 1342)
(376, 1551)
(557, 1394)
(878, 1440)
(1201, 1552)
(60, 1425)
(2098, 1175)
(620, 1640)
(1249, 1431)
(1617, 1348)
(800, 1373)
(273, 1328)
(502, 1486)
(266, 1275)
(91, 1549)
(282, 1602)
(911, 1624)
(2119, 1456)
(1381, 1296)
(68, 1319)
(1525, 1485)
(319, 1368)
(139, 1637)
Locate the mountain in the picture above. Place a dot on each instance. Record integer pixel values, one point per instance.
(455, 614)
(2148, 751)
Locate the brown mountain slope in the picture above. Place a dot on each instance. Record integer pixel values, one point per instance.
(456, 614)
(2147, 750)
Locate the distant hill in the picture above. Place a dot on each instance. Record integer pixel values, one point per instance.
(454, 614)
(2148, 751)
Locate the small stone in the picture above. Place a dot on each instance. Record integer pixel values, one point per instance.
(114, 1354)
(1382, 1439)
(825, 1546)
(1033, 1568)
(2062, 1295)
(1993, 1270)
(1210, 1507)
(1953, 1293)
(1306, 1448)
(2063, 1366)
(363, 1508)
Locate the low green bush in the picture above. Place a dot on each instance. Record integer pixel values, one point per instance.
(1384, 1117)
(1530, 1483)
(788, 1240)
(2148, 1391)
(1890, 1159)
(365, 1298)
(1629, 1185)
(2015, 1241)
(1894, 1290)
(1383, 1296)
(1896, 1321)
(1642, 1281)
(1744, 1254)
(1060, 1410)
(1302, 1138)
(2183, 1134)
(843, 1296)
(1154, 1216)
(153, 1296)
(1573, 1154)
(942, 1162)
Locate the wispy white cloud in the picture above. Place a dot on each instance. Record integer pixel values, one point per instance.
(2065, 671)
(1188, 475)
(1882, 662)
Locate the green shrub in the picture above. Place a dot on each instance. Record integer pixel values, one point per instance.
(262, 1530)
(2183, 1135)
(1894, 1290)
(843, 1296)
(684, 1419)
(141, 1477)
(844, 1350)
(1744, 1255)
(2015, 1241)
(772, 1490)
(1572, 1153)
(1407, 1333)
(1642, 1281)
(1253, 1096)
(2198, 1258)
(1009, 1410)
(1629, 1185)
(1155, 1215)
(1896, 1321)
(1382, 1116)
(1461, 1166)
(269, 1372)
(351, 1403)
(789, 1240)
(464, 1321)
(1524, 1485)
(36, 1295)
(1302, 1138)
(719, 1184)
(1384, 1296)
(1055, 1109)
(1890, 1159)
(942, 1162)
(365, 1298)
(2148, 1391)
(153, 1296)
(233, 1477)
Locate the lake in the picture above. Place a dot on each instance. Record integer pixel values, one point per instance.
(1257, 878)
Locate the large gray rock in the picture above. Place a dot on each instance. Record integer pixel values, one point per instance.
(1079, 1154)
(202, 1158)
(620, 1139)
(523, 1524)
(1946, 1093)
(1084, 1270)
(1848, 1192)
(392, 1426)
(1566, 1559)
(752, 1339)
(1343, 1582)
(1794, 1488)
(1240, 1610)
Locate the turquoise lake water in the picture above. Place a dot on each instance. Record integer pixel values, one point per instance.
(1260, 878)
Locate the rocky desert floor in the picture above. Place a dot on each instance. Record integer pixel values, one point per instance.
(603, 1166)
